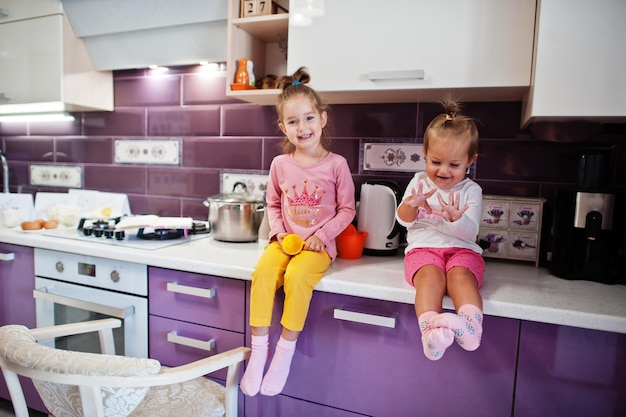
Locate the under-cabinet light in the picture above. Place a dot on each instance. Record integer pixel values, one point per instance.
(41, 117)
(300, 20)
(308, 8)
(156, 69)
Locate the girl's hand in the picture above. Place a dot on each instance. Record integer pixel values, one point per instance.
(280, 237)
(418, 199)
(315, 244)
(450, 211)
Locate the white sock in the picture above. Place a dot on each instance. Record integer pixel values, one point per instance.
(276, 377)
(251, 380)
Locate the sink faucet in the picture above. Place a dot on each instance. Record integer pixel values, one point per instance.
(5, 171)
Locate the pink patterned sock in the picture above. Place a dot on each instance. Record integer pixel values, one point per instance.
(467, 325)
(251, 380)
(276, 377)
(435, 340)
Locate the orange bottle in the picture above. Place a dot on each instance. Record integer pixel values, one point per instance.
(242, 72)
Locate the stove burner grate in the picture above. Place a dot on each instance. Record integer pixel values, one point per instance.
(160, 234)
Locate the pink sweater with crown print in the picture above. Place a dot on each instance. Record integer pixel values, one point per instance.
(306, 200)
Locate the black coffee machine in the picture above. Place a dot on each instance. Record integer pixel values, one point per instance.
(589, 234)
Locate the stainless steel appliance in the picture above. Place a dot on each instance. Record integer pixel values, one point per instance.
(377, 216)
(72, 288)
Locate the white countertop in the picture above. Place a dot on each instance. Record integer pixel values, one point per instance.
(510, 290)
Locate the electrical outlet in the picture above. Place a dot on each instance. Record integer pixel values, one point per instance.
(153, 152)
(255, 183)
(69, 176)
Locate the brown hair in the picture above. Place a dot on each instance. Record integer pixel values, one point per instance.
(292, 86)
(453, 125)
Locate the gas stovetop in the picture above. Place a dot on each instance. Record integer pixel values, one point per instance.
(130, 238)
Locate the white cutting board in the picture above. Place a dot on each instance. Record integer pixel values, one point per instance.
(94, 202)
(22, 202)
(44, 201)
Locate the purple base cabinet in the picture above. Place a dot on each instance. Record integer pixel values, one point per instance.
(567, 371)
(17, 280)
(193, 316)
(17, 305)
(360, 356)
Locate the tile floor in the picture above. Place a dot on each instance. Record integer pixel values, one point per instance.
(6, 410)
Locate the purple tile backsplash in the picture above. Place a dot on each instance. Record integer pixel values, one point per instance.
(218, 133)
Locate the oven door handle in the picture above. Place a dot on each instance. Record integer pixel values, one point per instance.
(45, 294)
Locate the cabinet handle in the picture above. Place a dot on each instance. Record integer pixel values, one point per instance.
(5, 96)
(396, 75)
(120, 313)
(4, 11)
(185, 289)
(7, 256)
(364, 318)
(173, 337)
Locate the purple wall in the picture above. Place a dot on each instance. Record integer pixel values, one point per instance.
(220, 133)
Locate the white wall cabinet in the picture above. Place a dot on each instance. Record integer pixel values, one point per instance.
(12, 10)
(361, 50)
(44, 66)
(365, 51)
(580, 61)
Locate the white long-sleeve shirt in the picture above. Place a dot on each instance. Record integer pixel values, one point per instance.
(432, 231)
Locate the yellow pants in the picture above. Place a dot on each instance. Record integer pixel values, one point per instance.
(298, 275)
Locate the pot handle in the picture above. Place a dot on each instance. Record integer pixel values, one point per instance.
(242, 185)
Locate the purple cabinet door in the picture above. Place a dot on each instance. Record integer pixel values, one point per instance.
(281, 405)
(177, 350)
(17, 280)
(567, 371)
(382, 371)
(196, 298)
(17, 305)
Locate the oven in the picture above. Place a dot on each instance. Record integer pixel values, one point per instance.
(72, 288)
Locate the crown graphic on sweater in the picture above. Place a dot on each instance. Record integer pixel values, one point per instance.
(305, 198)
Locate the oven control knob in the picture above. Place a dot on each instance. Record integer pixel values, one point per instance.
(59, 266)
(115, 276)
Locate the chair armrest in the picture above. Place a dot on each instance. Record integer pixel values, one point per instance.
(203, 366)
(231, 358)
(42, 333)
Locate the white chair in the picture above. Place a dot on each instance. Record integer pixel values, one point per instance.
(77, 384)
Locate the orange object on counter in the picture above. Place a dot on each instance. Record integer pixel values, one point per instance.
(350, 245)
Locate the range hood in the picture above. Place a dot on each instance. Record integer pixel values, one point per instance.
(127, 34)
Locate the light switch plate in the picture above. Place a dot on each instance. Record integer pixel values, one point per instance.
(255, 183)
(69, 176)
(153, 152)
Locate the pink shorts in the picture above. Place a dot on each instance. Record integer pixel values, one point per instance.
(445, 259)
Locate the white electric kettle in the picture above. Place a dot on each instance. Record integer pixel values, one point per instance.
(377, 216)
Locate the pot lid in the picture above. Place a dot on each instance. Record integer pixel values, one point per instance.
(237, 198)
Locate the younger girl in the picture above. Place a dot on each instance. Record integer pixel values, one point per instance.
(310, 193)
(441, 210)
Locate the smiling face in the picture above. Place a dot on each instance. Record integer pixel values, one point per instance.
(302, 123)
(447, 160)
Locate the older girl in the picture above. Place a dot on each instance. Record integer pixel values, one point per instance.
(310, 193)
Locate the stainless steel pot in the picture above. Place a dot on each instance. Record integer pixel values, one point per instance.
(235, 217)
